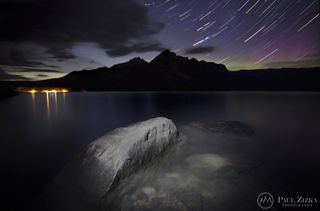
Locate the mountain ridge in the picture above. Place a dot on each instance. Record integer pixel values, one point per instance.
(171, 72)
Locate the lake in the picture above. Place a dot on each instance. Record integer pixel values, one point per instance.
(40, 133)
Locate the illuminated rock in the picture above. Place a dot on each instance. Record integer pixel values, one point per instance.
(123, 150)
(109, 159)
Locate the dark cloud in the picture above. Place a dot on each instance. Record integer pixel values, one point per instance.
(136, 48)
(4, 76)
(59, 24)
(19, 60)
(60, 53)
(200, 50)
(40, 70)
(20, 55)
(42, 76)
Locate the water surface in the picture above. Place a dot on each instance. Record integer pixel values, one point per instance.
(40, 133)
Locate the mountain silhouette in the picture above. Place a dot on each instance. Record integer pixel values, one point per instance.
(168, 71)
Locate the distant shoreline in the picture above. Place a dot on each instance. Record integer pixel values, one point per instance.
(171, 72)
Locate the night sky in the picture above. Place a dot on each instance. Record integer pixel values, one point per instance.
(49, 38)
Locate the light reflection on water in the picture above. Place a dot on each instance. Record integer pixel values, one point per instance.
(33, 102)
(54, 102)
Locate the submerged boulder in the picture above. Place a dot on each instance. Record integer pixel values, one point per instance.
(224, 127)
(89, 178)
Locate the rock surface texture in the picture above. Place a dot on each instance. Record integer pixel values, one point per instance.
(89, 178)
(123, 150)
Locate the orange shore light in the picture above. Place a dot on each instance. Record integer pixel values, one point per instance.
(51, 90)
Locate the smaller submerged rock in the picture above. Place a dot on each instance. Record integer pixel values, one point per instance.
(225, 127)
(207, 161)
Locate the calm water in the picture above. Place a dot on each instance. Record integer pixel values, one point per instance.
(40, 133)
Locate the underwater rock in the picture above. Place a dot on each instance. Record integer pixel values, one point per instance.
(224, 127)
(207, 161)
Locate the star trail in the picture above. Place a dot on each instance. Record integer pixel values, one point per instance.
(242, 34)
(246, 34)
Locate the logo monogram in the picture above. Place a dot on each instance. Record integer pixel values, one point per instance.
(265, 200)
